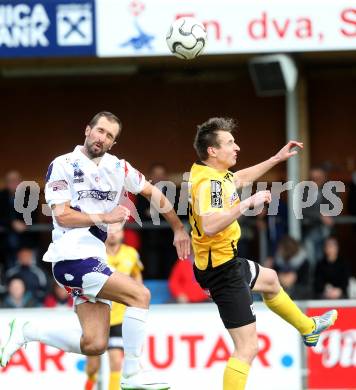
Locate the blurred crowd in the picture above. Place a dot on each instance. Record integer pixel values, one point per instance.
(316, 267)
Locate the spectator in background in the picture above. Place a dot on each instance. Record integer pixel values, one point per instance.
(332, 274)
(271, 228)
(157, 252)
(33, 276)
(58, 297)
(15, 234)
(17, 295)
(3, 288)
(293, 268)
(10, 220)
(182, 284)
(317, 227)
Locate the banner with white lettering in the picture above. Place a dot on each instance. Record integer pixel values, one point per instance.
(332, 363)
(139, 27)
(47, 28)
(187, 344)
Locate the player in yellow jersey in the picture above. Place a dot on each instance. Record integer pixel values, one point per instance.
(125, 259)
(213, 211)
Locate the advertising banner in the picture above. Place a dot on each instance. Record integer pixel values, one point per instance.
(39, 366)
(190, 345)
(47, 28)
(139, 27)
(187, 344)
(332, 363)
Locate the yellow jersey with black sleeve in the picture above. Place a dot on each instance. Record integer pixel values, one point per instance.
(211, 191)
(126, 261)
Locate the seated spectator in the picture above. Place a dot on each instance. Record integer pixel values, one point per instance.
(17, 296)
(332, 274)
(293, 268)
(2, 280)
(273, 227)
(316, 227)
(26, 269)
(15, 232)
(182, 284)
(58, 297)
(157, 252)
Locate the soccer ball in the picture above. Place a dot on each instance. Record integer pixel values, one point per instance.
(186, 38)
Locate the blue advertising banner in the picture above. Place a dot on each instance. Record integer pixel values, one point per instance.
(47, 28)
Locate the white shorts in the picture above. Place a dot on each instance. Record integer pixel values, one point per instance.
(82, 278)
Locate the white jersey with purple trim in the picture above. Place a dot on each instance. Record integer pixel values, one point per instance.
(89, 188)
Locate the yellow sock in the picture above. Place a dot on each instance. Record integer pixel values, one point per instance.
(282, 305)
(114, 382)
(235, 374)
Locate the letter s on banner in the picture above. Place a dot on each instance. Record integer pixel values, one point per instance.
(332, 364)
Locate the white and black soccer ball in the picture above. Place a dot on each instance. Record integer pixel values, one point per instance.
(186, 38)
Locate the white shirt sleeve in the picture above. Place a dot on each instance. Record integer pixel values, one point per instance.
(57, 189)
(134, 180)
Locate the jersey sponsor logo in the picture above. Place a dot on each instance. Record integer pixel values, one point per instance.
(78, 173)
(228, 177)
(233, 197)
(216, 194)
(97, 194)
(58, 185)
(100, 267)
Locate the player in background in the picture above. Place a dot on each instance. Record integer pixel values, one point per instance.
(125, 259)
(83, 189)
(214, 209)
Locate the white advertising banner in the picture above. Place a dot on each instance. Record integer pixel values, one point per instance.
(38, 366)
(139, 27)
(187, 344)
(191, 346)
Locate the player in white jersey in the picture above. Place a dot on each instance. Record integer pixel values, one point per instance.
(83, 190)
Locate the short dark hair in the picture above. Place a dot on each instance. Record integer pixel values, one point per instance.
(207, 134)
(288, 247)
(109, 116)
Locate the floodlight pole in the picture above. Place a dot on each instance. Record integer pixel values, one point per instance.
(284, 72)
(293, 173)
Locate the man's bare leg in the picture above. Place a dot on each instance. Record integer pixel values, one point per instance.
(245, 350)
(123, 289)
(94, 319)
(72, 336)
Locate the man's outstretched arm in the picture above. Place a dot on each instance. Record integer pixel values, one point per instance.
(247, 176)
(214, 223)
